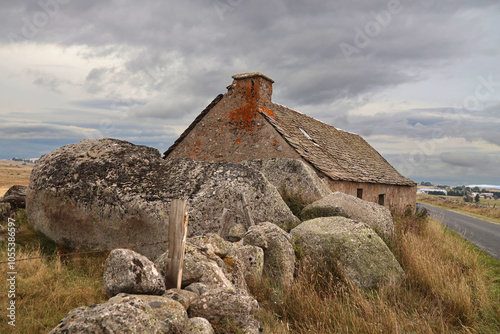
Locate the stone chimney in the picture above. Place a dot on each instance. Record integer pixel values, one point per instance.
(256, 87)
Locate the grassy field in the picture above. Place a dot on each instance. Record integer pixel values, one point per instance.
(491, 213)
(13, 173)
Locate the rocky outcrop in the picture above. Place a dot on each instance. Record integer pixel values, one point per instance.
(279, 256)
(227, 309)
(129, 272)
(293, 176)
(376, 216)
(126, 314)
(109, 193)
(362, 255)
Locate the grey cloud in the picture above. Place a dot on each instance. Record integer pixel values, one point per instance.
(464, 159)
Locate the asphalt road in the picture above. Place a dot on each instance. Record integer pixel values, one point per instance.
(483, 234)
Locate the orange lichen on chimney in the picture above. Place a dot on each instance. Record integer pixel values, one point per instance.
(243, 118)
(237, 141)
(266, 111)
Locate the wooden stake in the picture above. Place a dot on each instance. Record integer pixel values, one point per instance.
(224, 223)
(177, 233)
(246, 210)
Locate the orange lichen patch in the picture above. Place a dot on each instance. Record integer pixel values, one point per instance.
(266, 111)
(275, 143)
(237, 141)
(243, 118)
(197, 143)
(230, 263)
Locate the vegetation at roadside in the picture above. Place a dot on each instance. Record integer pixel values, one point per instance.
(490, 213)
(450, 287)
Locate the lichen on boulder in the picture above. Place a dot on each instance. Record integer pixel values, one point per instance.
(374, 215)
(126, 271)
(109, 193)
(362, 255)
(279, 256)
(126, 314)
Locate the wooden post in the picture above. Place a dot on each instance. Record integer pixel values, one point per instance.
(224, 223)
(246, 210)
(177, 232)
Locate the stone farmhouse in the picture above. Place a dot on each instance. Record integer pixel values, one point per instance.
(244, 124)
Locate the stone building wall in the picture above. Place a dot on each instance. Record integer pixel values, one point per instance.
(388, 195)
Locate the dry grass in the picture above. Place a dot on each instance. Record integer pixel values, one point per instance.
(489, 213)
(447, 290)
(13, 173)
(450, 287)
(46, 289)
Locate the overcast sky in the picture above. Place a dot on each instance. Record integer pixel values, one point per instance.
(419, 80)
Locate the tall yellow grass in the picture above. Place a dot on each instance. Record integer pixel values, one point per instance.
(46, 289)
(446, 290)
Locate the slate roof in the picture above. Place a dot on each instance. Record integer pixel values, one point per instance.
(339, 154)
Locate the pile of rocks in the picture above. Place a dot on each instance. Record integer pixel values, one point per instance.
(214, 292)
(109, 193)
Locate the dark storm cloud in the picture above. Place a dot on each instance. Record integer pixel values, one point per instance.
(294, 42)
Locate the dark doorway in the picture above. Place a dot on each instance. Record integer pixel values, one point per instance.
(381, 199)
(360, 193)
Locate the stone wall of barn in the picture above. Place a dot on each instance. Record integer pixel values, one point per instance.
(387, 195)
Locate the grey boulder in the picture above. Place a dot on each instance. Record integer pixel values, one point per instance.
(126, 314)
(362, 255)
(279, 256)
(374, 215)
(227, 309)
(16, 197)
(109, 193)
(126, 271)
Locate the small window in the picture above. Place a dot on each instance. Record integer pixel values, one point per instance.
(381, 199)
(360, 193)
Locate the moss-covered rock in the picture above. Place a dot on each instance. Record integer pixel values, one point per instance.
(362, 255)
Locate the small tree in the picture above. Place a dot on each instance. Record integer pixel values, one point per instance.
(476, 198)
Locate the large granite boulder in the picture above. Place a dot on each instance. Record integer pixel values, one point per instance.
(227, 309)
(108, 193)
(291, 175)
(362, 255)
(126, 314)
(130, 272)
(374, 215)
(279, 256)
